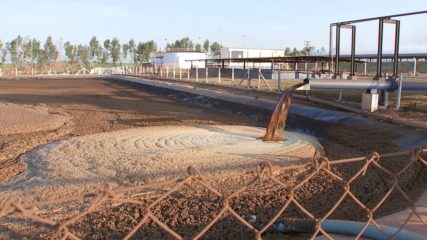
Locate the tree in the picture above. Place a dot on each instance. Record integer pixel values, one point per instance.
(51, 53)
(216, 48)
(15, 51)
(107, 44)
(83, 54)
(295, 52)
(27, 49)
(3, 53)
(70, 52)
(206, 45)
(37, 52)
(99, 53)
(93, 48)
(106, 51)
(144, 50)
(287, 51)
(183, 44)
(115, 51)
(198, 47)
(125, 50)
(132, 50)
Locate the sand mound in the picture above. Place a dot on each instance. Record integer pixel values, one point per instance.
(16, 118)
(164, 153)
(149, 154)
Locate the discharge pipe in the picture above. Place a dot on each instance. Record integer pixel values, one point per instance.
(389, 85)
(350, 228)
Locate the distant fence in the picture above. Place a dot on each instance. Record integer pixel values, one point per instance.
(261, 202)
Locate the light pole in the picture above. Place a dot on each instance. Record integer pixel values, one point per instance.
(244, 40)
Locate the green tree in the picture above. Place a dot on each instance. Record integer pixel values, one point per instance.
(132, 50)
(183, 44)
(41, 61)
(144, 50)
(206, 45)
(36, 50)
(198, 47)
(93, 48)
(295, 52)
(83, 54)
(106, 51)
(115, 51)
(287, 51)
(3, 53)
(51, 53)
(216, 48)
(27, 49)
(15, 51)
(99, 53)
(107, 44)
(125, 50)
(70, 52)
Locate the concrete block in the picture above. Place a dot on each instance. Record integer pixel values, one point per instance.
(370, 101)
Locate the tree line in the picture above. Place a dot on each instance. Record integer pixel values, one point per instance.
(32, 52)
(187, 45)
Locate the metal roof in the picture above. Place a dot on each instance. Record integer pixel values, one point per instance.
(288, 59)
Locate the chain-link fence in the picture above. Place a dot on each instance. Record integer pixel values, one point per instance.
(293, 202)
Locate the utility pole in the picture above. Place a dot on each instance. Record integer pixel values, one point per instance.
(307, 45)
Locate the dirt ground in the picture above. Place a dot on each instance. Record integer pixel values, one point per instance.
(96, 106)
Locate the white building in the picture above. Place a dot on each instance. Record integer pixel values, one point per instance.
(180, 59)
(227, 52)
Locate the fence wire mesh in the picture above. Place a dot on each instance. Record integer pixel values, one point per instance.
(249, 205)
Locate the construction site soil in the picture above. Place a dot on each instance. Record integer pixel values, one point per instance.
(96, 106)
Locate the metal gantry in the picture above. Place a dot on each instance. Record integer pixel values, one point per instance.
(350, 25)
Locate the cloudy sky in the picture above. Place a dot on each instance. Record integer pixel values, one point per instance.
(266, 24)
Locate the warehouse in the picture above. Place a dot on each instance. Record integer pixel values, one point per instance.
(179, 59)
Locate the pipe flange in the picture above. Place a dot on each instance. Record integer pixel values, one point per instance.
(393, 84)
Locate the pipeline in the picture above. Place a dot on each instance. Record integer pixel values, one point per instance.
(352, 228)
(390, 84)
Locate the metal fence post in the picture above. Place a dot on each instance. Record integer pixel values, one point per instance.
(415, 67)
(219, 75)
(259, 78)
(167, 72)
(173, 73)
(161, 72)
(180, 74)
(232, 76)
(206, 77)
(197, 74)
(279, 80)
(399, 92)
(188, 74)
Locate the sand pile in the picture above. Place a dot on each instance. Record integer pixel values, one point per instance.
(157, 154)
(15, 119)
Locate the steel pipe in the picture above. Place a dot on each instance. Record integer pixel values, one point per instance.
(348, 84)
(388, 85)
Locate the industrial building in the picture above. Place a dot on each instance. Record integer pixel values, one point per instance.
(228, 52)
(179, 59)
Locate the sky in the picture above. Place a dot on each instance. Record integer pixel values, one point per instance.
(272, 24)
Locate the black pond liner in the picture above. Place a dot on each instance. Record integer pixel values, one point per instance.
(299, 115)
